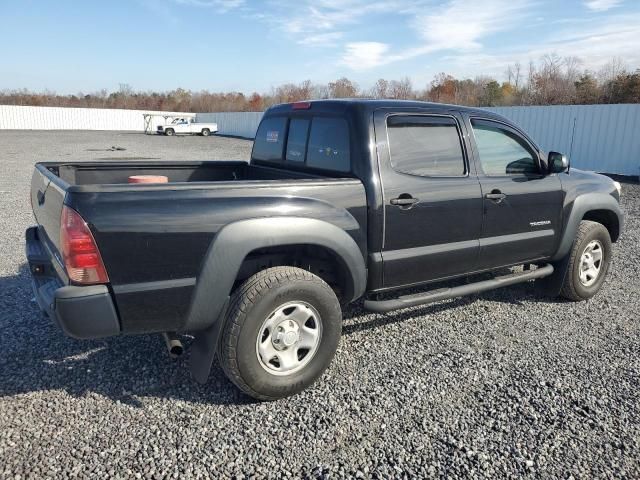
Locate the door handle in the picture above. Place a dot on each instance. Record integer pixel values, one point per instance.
(495, 195)
(404, 200)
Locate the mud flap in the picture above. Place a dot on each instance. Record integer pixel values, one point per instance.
(550, 286)
(204, 347)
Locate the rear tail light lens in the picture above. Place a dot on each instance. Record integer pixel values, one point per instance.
(80, 253)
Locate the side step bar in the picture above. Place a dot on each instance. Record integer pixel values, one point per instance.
(406, 301)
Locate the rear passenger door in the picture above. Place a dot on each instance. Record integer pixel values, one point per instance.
(432, 198)
(522, 202)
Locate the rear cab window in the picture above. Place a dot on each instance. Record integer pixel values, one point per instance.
(329, 144)
(316, 142)
(270, 138)
(297, 139)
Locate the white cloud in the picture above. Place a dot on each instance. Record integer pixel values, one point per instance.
(458, 26)
(462, 23)
(595, 44)
(601, 5)
(321, 22)
(364, 55)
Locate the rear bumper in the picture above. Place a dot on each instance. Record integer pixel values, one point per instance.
(82, 312)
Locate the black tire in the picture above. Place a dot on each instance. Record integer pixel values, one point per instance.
(251, 305)
(205, 132)
(573, 288)
(169, 132)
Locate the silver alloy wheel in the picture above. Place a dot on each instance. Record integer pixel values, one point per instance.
(590, 263)
(289, 338)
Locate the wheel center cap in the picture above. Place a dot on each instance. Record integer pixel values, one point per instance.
(290, 338)
(286, 335)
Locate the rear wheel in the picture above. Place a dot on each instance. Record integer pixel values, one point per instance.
(281, 332)
(169, 132)
(205, 132)
(589, 262)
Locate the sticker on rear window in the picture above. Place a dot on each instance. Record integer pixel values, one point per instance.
(272, 136)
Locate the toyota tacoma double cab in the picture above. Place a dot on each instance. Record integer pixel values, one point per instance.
(341, 200)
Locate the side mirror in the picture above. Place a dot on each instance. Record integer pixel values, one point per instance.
(558, 162)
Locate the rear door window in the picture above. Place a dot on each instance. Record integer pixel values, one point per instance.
(329, 144)
(269, 142)
(425, 145)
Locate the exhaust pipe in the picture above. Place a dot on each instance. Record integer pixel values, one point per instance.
(174, 345)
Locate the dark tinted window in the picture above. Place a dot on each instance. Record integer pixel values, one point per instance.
(297, 141)
(422, 145)
(502, 152)
(269, 141)
(329, 144)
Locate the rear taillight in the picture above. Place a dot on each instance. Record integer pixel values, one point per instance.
(79, 250)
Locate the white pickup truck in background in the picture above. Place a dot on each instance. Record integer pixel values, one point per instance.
(187, 126)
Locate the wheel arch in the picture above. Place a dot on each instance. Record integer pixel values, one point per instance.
(318, 259)
(236, 242)
(607, 218)
(598, 207)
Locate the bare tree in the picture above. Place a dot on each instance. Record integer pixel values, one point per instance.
(343, 88)
(517, 74)
(380, 89)
(607, 75)
(401, 89)
(125, 92)
(612, 69)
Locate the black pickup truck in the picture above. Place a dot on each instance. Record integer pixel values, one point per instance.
(341, 200)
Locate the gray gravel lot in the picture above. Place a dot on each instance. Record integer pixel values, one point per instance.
(497, 385)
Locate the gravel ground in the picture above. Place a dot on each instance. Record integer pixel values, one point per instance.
(502, 384)
(21, 147)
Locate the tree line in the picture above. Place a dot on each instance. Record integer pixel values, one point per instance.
(553, 80)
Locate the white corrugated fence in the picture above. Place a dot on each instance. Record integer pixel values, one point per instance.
(15, 117)
(238, 124)
(604, 138)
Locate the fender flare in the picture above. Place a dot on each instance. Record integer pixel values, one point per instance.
(236, 240)
(581, 205)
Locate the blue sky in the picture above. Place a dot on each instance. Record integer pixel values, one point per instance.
(241, 45)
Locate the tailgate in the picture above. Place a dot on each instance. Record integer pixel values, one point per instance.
(47, 198)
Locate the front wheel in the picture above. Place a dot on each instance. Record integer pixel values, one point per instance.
(205, 132)
(589, 262)
(281, 332)
(169, 132)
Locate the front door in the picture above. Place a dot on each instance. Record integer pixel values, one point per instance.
(432, 199)
(522, 204)
(182, 126)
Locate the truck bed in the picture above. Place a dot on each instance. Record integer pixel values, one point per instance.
(113, 173)
(154, 237)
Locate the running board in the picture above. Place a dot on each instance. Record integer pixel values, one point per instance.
(406, 301)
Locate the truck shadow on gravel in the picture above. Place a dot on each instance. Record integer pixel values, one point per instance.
(36, 356)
